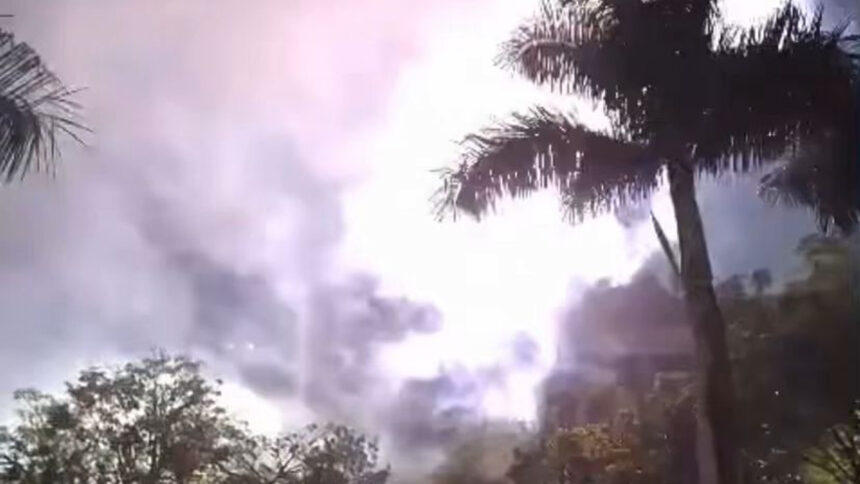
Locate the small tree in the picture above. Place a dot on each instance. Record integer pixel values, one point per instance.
(838, 455)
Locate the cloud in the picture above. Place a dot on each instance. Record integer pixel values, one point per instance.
(269, 379)
(349, 324)
(643, 316)
(432, 412)
(203, 214)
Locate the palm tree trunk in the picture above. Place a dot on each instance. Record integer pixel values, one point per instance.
(709, 328)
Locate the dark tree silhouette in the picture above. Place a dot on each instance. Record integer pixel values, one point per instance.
(35, 107)
(158, 420)
(686, 95)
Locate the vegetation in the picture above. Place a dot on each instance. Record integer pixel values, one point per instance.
(685, 95)
(798, 374)
(158, 421)
(796, 354)
(36, 109)
(837, 458)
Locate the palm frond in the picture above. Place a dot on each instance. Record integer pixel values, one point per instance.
(594, 172)
(779, 83)
(35, 109)
(789, 89)
(552, 46)
(823, 178)
(619, 52)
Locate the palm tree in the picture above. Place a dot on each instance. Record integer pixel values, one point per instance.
(685, 95)
(35, 107)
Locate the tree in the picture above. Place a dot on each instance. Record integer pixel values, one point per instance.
(331, 454)
(149, 421)
(685, 96)
(158, 421)
(838, 455)
(154, 419)
(627, 449)
(796, 354)
(35, 109)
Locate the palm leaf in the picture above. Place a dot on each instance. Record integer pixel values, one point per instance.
(551, 48)
(789, 88)
(729, 99)
(35, 107)
(821, 177)
(614, 51)
(778, 84)
(594, 171)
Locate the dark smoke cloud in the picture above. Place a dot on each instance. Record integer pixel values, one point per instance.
(349, 324)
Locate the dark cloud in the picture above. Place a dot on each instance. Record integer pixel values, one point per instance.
(642, 317)
(349, 324)
(269, 379)
(428, 417)
(432, 412)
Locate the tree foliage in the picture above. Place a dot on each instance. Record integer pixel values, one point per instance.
(796, 351)
(651, 444)
(837, 456)
(158, 421)
(328, 454)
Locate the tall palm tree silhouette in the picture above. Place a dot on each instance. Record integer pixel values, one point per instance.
(35, 107)
(686, 95)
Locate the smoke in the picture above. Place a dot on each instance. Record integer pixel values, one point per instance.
(207, 213)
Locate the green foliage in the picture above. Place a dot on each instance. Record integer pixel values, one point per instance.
(603, 454)
(796, 354)
(158, 421)
(626, 450)
(837, 457)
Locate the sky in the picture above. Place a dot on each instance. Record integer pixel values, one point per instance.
(255, 192)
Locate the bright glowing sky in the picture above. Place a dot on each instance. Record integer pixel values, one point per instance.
(513, 271)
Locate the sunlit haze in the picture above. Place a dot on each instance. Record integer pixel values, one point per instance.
(252, 159)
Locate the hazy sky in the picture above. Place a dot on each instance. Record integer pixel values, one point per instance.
(255, 192)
